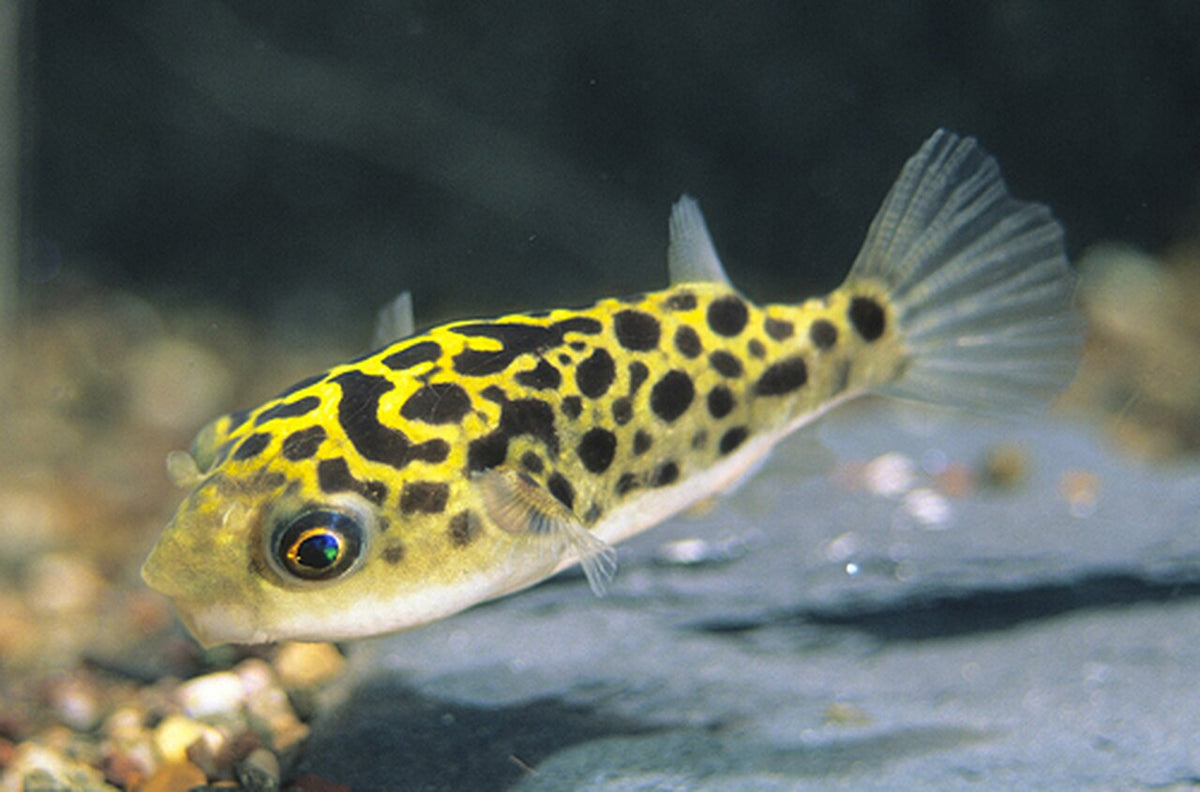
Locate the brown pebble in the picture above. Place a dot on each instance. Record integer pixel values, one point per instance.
(1005, 466)
(174, 777)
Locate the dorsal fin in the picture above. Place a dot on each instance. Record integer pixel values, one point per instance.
(691, 257)
(522, 507)
(395, 321)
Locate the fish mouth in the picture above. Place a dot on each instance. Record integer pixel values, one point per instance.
(214, 609)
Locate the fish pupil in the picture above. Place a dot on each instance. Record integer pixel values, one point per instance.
(318, 551)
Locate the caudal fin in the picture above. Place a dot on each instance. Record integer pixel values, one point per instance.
(979, 281)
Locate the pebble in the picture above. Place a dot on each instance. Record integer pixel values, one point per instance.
(37, 768)
(177, 733)
(890, 475)
(174, 777)
(1005, 466)
(259, 772)
(219, 693)
(308, 665)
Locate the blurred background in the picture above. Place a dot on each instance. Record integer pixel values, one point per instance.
(304, 160)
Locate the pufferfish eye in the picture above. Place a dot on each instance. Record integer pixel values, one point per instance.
(318, 545)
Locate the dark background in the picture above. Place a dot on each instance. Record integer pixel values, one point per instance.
(307, 160)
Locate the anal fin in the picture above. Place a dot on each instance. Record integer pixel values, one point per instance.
(522, 507)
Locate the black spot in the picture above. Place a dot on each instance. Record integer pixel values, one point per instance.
(424, 496)
(596, 374)
(439, 403)
(420, 352)
(288, 410)
(542, 314)
(592, 514)
(783, 377)
(357, 415)
(301, 385)
(665, 474)
(680, 301)
(637, 376)
(867, 317)
(622, 411)
(578, 346)
(487, 452)
(720, 401)
(253, 445)
(494, 393)
(303, 444)
(636, 331)
(333, 475)
(541, 377)
(641, 442)
(530, 417)
(687, 342)
(732, 439)
(727, 315)
(463, 529)
(779, 329)
(627, 482)
(699, 440)
(823, 334)
(394, 554)
(572, 407)
(672, 395)
(596, 449)
(757, 349)
(516, 339)
(579, 324)
(532, 462)
(726, 364)
(564, 358)
(561, 488)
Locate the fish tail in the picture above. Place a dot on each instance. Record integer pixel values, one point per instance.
(979, 283)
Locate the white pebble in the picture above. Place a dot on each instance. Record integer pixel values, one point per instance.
(221, 693)
(890, 475)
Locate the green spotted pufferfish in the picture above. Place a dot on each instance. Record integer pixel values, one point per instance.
(477, 458)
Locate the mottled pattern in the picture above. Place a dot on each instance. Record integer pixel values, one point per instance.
(596, 406)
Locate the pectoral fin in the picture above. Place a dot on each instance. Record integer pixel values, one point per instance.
(522, 507)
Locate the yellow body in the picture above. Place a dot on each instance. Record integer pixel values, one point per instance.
(480, 457)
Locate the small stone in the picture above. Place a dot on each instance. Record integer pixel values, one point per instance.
(1005, 466)
(308, 665)
(37, 767)
(174, 777)
(259, 772)
(177, 733)
(220, 693)
(890, 475)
